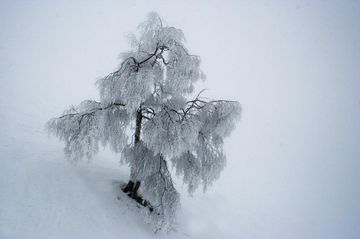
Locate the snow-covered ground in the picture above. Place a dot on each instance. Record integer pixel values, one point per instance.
(45, 196)
(293, 161)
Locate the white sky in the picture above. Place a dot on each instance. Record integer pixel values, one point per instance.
(293, 162)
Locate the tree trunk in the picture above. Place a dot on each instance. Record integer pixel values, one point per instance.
(133, 184)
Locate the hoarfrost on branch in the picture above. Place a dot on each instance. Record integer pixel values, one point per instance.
(149, 93)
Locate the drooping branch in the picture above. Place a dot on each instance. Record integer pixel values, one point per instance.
(190, 109)
(93, 111)
(137, 64)
(82, 128)
(169, 198)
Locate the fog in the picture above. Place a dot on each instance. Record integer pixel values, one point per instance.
(293, 160)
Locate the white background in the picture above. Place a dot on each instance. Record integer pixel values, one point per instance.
(293, 160)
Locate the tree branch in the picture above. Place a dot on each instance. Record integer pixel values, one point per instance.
(92, 111)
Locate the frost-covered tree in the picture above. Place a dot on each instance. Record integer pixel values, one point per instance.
(144, 113)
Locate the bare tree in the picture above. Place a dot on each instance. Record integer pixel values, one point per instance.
(150, 88)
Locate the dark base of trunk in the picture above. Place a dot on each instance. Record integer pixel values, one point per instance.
(131, 189)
